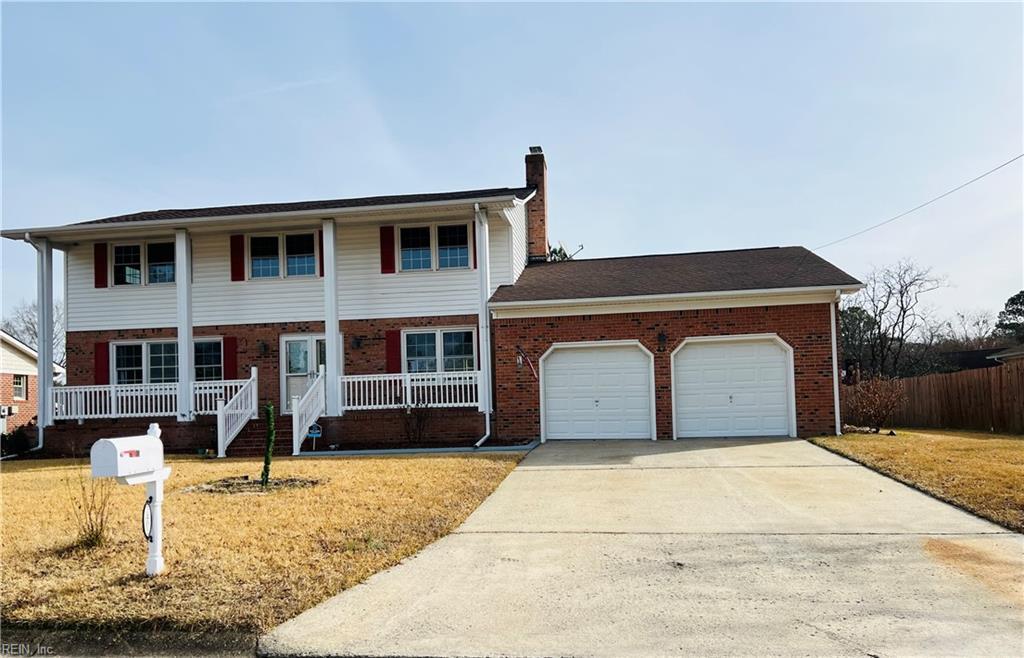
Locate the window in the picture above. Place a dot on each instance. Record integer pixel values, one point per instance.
(457, 348)
(415, 247)
(264, 259)
(156, 259)
(128, 364)
(300, 255)
(452, 246)
(156, 362)
(21, 387)
(160, 262)
(127, 265)
(421, 352)
(209, 366)
(163, 363)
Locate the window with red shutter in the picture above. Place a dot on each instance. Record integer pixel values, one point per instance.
(99, 264)
(238, 258)
(387, 249)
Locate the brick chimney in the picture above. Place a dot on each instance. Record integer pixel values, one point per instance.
(537, 207)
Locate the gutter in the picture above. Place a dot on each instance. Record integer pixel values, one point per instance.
(670, 297)
(72, 229)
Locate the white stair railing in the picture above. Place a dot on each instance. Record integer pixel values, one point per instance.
(206, 393)
(307, 409)
(403, 390)
(233, 415)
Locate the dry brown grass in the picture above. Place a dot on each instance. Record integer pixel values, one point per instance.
(978, 471)
(234, 562)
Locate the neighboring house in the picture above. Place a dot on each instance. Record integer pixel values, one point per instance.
(19, 372)
(1015, 353)
(970, 359)
(440, 301)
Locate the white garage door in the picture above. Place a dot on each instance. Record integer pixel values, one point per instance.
(597, 393)
(731, 388)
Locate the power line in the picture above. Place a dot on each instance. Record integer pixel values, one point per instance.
(926, 203)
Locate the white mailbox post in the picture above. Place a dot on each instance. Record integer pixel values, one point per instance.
(138, 460)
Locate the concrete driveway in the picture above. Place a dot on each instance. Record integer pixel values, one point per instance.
(698, 547)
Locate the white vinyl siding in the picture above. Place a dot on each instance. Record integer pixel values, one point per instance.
(500, 254)
(519, 240)
(14, 361)
(137, 307)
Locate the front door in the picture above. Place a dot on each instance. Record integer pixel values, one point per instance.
(301, 357)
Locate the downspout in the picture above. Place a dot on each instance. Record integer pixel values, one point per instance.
(835, 364)
(483, 317)
(39, 425)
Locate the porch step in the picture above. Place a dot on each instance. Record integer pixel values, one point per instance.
(251, 441)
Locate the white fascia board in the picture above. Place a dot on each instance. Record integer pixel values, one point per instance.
(671, 302)
(27, 351)
(71, 231)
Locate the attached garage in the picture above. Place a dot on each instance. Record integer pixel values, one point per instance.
(597, 390)
(733, 386)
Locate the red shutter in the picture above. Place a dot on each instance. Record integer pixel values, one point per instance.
(101, 363)
(320, 239)
(387, 249)
(472, 245)
(229, 349)
(393, 350)
(238, 258)
(99, 264)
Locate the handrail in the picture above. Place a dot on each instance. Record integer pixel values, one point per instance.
(307, 409)
(406, 390)
(233, 415)
(206, 393)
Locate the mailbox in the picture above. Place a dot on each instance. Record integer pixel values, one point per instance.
(138, 460)
(126, 457)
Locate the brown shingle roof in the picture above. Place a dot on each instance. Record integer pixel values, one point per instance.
(666, 274)
(325, 204)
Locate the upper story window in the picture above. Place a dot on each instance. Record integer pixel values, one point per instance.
(156, 259)
(415, 247)
(268, 261)
(443, 247)
(441, 350)
(20, 391)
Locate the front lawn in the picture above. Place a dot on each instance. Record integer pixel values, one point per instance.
(235, 562)
(978, 471)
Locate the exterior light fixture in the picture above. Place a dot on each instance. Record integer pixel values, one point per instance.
(662, 341)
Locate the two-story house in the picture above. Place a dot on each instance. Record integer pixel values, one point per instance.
(427, 319)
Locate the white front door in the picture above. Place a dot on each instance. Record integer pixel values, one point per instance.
(731, 388)
(301, 357)
(597, 392)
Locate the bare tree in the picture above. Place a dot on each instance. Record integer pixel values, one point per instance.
(23, 324)
(973, 330)
(900, 330)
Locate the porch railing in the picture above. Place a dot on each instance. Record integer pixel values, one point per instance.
(238, 410)
(307, 409)
(404, 390)
(114, 401)
(206, 394)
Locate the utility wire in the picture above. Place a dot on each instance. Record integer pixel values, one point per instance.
(926, 203)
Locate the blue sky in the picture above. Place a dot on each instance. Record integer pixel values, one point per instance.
(667, 127)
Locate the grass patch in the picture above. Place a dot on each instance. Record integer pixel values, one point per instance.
(979, 471)
(234, 562)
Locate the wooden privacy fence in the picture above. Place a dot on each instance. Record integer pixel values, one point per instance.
(984, 399)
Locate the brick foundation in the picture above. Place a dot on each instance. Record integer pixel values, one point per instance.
(804, 327)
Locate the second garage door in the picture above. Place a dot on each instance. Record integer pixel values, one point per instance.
(597, 392)
(731, 388)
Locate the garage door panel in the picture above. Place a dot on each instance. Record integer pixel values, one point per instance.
(731, 388)
(596, 392)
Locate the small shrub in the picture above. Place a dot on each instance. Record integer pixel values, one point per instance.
(268, 450)
(872, 402)
(417, 420)
(15, 442)
(89, 499)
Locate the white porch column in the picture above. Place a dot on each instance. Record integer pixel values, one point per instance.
(44, 350)
(183, 287)
(484, 316)
(332, 335)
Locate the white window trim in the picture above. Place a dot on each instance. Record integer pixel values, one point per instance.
(143, 246)
(146, 343)
(434, 258)
(14, 387)
(282, 256)
(439, 346)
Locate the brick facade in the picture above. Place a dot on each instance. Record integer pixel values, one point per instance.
(806, 328)
(26, 406)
